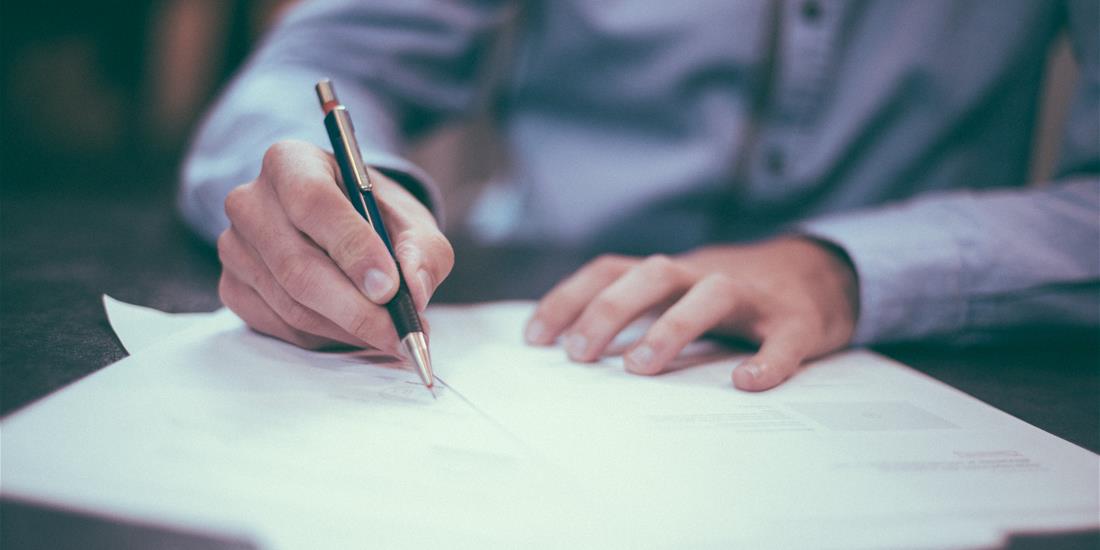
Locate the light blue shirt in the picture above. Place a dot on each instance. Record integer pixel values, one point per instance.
(900, 131)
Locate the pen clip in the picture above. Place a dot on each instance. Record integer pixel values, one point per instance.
(342, 134)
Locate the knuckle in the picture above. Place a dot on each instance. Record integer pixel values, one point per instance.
(607, 264)
(361, 325)
(440, 249)
(555, 311)
(671, 327)
(661, 267)
(236, 202)
(296, 274)
(548, 309)
(658, 264)
(406, 251)
(278, 152)
(720, 284)
(298, 316)
(306, 196)
(606, 308)
(349, 247)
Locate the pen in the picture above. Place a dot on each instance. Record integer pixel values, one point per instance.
(359, 188)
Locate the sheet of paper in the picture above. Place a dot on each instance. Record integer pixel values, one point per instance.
(853, 440)
(139, 327)
(216, 427)
(212, 426)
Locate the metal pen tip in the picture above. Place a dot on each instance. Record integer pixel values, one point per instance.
(417, 346)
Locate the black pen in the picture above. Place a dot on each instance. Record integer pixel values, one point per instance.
(359, 187)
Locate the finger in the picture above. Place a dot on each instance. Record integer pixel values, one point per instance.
(424, 254)
(653, 281)
(780, 354)
(714, 299)
(305, 182)
(303, 270)
(426, 258)
(243, 262)
(251, 308)
(565, 302)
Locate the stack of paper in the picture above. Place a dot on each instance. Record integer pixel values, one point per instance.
(212, 426)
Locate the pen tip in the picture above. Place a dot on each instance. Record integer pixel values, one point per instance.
(417, 346)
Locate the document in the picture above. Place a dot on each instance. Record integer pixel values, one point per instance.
(211, 426)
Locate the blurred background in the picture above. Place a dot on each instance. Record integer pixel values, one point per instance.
(97, 100)
(101, 98)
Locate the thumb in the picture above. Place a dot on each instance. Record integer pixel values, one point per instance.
(780, 354)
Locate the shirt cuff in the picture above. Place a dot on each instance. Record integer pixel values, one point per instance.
(909, 272)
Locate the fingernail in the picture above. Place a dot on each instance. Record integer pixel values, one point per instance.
(576, 345)
(377, 284)
(639, 358)
(425, 287)
(535, 331)
(746, 374)
(752, 369)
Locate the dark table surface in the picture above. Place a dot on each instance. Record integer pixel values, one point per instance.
(60, 252)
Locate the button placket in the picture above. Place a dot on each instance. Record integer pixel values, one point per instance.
(809, 33)
(806, 60)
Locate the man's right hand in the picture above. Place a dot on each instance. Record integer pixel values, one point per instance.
(300, 264)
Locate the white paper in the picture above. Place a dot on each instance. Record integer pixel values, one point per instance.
(139, 327)
(216, 427)
(213, 426)
(856, 440)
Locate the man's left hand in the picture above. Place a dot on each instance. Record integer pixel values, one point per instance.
(796, 297)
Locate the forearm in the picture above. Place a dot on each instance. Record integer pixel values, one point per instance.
(400, 66)
(953, 264)
(266, 105)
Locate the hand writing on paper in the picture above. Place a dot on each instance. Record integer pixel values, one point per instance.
(795, 297)
(300, 264)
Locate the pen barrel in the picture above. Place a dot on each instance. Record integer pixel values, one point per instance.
(401, 308)
(402, 311)
(347, 157)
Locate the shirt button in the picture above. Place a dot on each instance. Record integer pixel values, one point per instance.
(811, 11)
(775, 161)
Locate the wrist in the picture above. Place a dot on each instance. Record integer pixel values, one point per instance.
(839, 282)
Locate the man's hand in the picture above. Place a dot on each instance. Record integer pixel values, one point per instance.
(300, 264)
(794, 296)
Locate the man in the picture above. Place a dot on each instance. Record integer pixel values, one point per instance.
(873, 154)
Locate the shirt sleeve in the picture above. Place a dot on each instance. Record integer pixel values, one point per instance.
(401, 67)
(964, 263)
